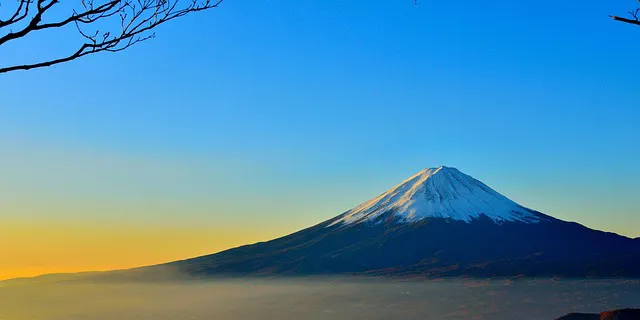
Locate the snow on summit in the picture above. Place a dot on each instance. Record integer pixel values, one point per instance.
(441, 192)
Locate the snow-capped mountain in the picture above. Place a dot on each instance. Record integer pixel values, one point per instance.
(439, 222)
(439, 193)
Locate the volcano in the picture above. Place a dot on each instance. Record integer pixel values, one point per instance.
(438, 223)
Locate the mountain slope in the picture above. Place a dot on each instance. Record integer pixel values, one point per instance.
(439, 222)
(434, 247)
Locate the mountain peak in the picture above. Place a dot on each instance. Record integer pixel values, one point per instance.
(427, 173)
(442, 192)
(445, 168)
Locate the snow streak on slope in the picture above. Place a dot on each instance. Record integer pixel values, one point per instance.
(440, 193)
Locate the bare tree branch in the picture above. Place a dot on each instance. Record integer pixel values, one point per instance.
(33, 25)
(21, 12)
(634, 17)
(105, 25)
(631, 21)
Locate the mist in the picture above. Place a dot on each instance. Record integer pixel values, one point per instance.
(316, 298)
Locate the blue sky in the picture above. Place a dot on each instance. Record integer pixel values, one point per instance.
(261, 112)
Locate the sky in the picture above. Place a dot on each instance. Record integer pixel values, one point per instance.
(259, 118)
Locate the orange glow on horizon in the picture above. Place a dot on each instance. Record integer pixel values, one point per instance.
(32, 250)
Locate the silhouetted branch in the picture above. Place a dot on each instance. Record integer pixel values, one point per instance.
(635, 17)
(125, 23)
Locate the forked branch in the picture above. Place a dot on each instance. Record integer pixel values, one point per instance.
(634, 17)
(105, 25)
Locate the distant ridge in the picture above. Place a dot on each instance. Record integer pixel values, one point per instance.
(622, 314)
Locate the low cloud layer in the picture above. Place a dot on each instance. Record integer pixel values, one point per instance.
(327, 298)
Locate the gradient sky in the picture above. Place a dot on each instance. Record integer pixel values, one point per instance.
(259, 118)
